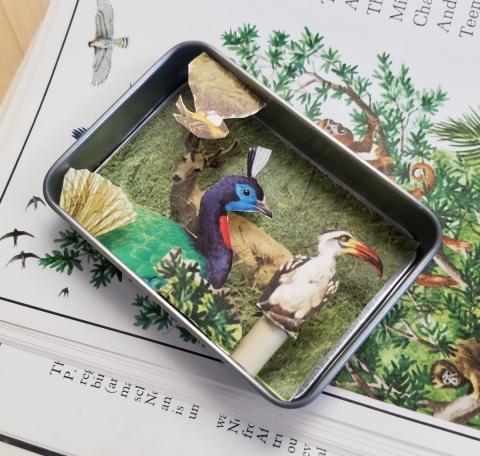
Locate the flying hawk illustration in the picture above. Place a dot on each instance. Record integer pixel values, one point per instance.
(23, 256)
(35, 201)
(304, 285)
(104, 42)
(15, 234)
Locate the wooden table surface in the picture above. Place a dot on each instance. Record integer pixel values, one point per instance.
(19, 19)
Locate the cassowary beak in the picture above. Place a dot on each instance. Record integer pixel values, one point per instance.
(263, 209)
(365, 253)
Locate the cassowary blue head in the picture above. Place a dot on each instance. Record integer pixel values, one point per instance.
(242, 193)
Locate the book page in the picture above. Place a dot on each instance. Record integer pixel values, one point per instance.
(383, 77)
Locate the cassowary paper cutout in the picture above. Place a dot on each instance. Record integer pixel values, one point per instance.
(141, 238)
(104, 42)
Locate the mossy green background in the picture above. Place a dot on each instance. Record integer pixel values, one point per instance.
(305, 203)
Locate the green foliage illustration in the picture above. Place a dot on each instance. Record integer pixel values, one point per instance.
(443, 308)
(73, 252)
(192, 295)
(397, 127)
(464, 135)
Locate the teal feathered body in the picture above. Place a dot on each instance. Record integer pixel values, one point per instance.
(150, 238)
(143, 243)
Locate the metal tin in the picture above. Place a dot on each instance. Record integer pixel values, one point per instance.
(140, 102)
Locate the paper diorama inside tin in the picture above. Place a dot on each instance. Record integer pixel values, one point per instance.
(268, 257)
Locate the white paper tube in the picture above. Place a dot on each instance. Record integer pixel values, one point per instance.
(259, 345)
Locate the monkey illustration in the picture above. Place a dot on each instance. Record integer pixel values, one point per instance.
(423, 174)
(382, 161)
(345, 135)
(461, 368)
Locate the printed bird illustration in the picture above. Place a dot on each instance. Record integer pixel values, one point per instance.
(64, 292)
(304, 285)
(78, 132)
(35, 201)
(104, 42)
(141, 237)
(15, 234)
(217, 95)
(22, 256)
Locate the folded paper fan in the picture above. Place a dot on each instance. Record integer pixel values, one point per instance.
(217, 95)
(94, 202)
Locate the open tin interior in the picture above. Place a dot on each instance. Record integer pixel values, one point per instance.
(313, 185)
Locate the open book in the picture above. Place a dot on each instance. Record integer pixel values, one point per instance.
(391, 80)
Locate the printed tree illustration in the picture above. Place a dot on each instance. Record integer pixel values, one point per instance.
(393, 124)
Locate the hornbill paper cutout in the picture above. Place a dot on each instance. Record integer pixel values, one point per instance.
(304, 285)
(23, 256)
(15, 234)
(35, 201)
(104, 42)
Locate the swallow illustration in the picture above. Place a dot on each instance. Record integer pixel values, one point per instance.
(64, 292)
(23, 257)
(35, 200)
(78, 132)
(15, 234)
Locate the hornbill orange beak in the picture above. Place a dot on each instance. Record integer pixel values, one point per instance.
(365, 253)
(263, 209)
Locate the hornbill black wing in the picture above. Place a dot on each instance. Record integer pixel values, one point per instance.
(292, 264)
(275, 313)
(330, 291)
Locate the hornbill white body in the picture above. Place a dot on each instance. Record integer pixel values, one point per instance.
(304, 285)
